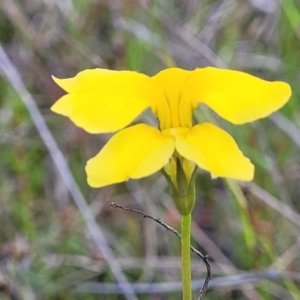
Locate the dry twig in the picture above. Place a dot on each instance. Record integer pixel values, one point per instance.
(160, 222)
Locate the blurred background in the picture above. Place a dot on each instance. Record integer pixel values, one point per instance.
(59, 239)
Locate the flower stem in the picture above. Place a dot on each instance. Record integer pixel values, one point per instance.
(186, 256)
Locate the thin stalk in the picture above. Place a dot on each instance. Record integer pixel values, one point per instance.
(186, 256)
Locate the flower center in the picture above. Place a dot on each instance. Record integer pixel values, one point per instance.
(175, 111)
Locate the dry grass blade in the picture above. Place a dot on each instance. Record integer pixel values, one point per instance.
(281, 207)
(155, 288)
(287, 126)
(16, 82)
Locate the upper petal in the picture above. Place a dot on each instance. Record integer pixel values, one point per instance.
(236, 96)
(101, 100)
(214, 150)
(134, 152)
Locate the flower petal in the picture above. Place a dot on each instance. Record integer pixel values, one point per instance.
(134, 152)
(214, 150)
(102, 101)
(236, 96)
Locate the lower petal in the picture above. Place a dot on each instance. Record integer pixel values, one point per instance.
(214, 150)
(134, 152)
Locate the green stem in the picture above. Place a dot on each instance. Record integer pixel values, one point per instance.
(186, 256)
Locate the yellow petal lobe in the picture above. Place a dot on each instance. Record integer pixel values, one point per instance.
(134, 152)
(236, 96)
(102, 101)
(214, 150)
(83, 80)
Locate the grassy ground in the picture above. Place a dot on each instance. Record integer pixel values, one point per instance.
(50, 247)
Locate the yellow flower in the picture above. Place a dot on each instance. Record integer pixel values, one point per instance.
(102, 101)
